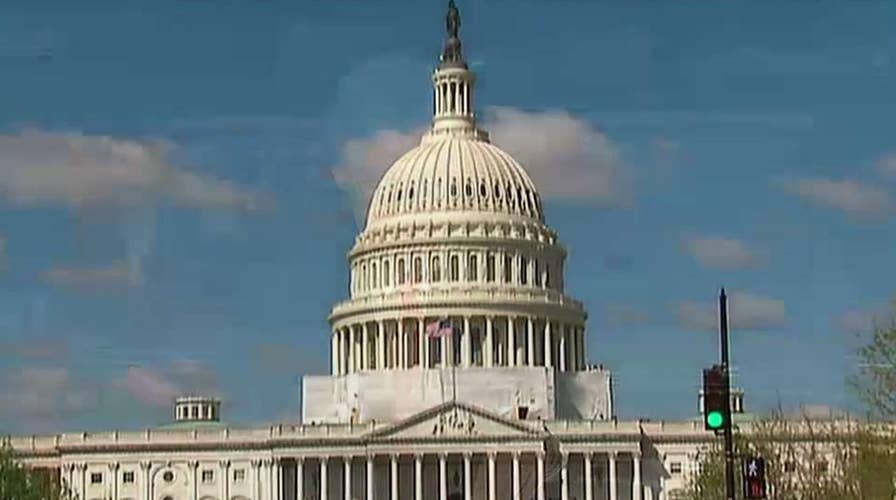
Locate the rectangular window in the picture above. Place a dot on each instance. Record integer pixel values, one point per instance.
(789, 466)
(208, 476)
(675, 468)
(96, 477)
(127, 477)
(536, 279)
(524, 270)
(454, 271)
(508, 268)
(473, 269)
(239, 475)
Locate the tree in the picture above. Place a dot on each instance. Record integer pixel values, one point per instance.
(18, 482)
(875, 381)
(807, 460)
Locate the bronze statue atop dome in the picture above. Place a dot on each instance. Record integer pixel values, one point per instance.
(452, 20)
(452, 55)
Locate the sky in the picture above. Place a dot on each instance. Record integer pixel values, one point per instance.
(180, 183)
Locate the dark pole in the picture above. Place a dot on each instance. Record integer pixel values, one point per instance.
(729, 444)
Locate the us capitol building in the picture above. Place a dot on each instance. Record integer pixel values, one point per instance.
(458, 363)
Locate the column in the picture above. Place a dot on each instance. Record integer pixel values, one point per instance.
(467, 346)
(562, 347)
(381, 345)
(347, 478)
(424, 341)
(611, 472)
(224, 465)
(144, 468)
(334, 353)
(278, 477)
(487, 352)
(399, 363)
(443, 477)
(370, 477)
(516, 476)
(300, 479)
(530, 340)
(636, 476)
(269, 465)
(564, 476)
(548, 347)
(256, 478)
(589, 487)
(394, 474)
(491, 475)
(511, 342)
(351, 350)
(443, 342)
(323, 478)
(421, 344)
(418, 477)
(540, 473)
(365, 349)
(113, 474)
(468, 476)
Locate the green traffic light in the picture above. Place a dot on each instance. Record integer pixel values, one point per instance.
(715, 419)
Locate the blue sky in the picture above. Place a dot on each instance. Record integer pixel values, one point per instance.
(179, 186)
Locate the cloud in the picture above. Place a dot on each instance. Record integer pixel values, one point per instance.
(722, 253)
(745, 312)
(865, 319)
(78, 170)
(158, 388)
(566, 157)
(43, 349)
(44, 393)
(887, 165)
(852, 197)
(116, 274)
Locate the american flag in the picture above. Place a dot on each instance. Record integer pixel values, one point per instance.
(438, 329)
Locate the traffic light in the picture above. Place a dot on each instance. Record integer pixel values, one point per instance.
(715, 408)
(754, 478)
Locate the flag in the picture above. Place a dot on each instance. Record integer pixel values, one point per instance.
(438, 329)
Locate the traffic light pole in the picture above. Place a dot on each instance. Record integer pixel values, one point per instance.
(729, 442)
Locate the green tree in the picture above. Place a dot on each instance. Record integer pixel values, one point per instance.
(875, 381)
(18, 482)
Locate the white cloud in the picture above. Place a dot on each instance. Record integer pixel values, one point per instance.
(565, 156)
(621, 315)
(850, 196)
(158, 388)
(44, 393)
(116, 274)
(77, 170)
(887, 165)
(722, 253)
(745, 312)
(863, 320)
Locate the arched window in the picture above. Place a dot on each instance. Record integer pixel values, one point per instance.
(454, 271)
(373, 275)
(364, 277)
(490, 268)
(508, 268)
(547, 275)
(386, 278)
(436, 272)
(473, 268)
(402, 272)
(418, 270)
(524, 270)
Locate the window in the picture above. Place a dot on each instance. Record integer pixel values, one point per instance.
(536, 279)
(373, 275)
(418, 270)
(473, 268)
(168, 497)
(524, 270)
(364, 277)
(436, 269)
(490, 268)
(675, 468)
(386, 273)
(547, 276)
(508, 268)
(454, 272)
(401, 272)
(168, 476)
(96, 477)
(195, 412)
(208, 476)
(790, 466)
(239, 475)
(127, 477)
(821, 467)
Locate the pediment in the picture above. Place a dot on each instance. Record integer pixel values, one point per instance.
(457, 420)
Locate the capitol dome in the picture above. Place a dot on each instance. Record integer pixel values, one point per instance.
(456, 269)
